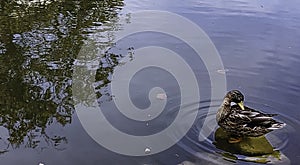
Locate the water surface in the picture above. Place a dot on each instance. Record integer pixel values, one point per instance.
(258, 43)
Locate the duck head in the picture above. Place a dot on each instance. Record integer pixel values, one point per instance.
(237, 97)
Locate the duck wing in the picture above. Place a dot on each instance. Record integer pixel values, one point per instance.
(254, 119)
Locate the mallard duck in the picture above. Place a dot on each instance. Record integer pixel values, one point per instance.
(240, 121)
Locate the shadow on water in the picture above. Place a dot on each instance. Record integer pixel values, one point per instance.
(38, 44)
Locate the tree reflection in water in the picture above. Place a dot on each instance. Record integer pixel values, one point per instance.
(38, 45)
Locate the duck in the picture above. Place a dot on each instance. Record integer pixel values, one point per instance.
(241, 121)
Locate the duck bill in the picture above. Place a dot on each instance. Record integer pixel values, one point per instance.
(241, 104)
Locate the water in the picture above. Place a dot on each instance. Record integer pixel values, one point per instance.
(39, 47)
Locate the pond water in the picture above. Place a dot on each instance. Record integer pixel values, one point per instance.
(51, 72)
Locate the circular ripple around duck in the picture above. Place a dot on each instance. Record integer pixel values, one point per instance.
(206, 150)
(202, 149)
(282, 137)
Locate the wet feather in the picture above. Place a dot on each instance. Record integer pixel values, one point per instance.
(246, 121)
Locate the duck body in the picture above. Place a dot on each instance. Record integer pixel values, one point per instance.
(240, 120)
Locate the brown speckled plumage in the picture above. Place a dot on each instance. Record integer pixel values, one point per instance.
(247, 122)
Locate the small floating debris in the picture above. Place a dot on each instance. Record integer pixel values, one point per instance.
(147, 150)
(161, 96)
(222, 71)
(41, 164)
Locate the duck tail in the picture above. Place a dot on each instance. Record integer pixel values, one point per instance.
(277, 126)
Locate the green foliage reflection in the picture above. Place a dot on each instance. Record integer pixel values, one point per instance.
(38, 45)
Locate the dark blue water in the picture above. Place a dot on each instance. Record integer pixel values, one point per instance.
(40, 46)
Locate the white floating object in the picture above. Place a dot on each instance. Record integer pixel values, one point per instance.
(222, 71)
(161, 96)
(147, 150)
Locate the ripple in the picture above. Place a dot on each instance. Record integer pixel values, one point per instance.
(191, 139)
(206, 150)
